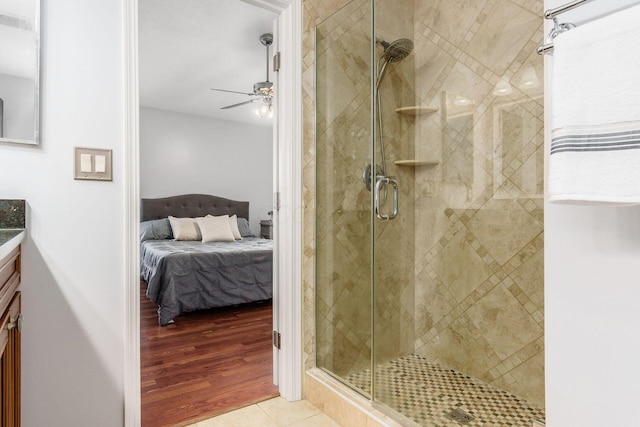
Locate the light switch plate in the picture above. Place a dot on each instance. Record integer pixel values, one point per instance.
(86, 167)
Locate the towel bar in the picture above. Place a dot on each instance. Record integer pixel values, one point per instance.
(552, 13)
(558, 27)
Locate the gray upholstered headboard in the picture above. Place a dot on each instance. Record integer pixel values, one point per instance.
(191, 206)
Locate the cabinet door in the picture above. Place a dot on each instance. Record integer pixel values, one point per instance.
(10, 363)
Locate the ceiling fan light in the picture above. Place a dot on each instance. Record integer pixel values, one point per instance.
(264, 110)
(262, 91)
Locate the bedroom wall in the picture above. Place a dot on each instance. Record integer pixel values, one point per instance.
(73, 259)
(183, 154)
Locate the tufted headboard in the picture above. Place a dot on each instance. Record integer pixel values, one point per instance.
(191, 206)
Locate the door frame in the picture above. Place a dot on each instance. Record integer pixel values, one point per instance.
(288, 298)
(287, 221)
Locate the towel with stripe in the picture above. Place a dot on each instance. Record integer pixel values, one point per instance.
(595, 107)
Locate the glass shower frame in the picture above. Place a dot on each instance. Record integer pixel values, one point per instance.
(387, 205)
(352, 217)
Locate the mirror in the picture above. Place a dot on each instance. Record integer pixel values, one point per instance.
(20, 71)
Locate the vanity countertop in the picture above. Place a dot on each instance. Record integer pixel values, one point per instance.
(12, 225)
(10, 238)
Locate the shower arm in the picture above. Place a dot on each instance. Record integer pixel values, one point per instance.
(393, 52)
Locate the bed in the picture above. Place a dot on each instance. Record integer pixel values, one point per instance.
(184, 276)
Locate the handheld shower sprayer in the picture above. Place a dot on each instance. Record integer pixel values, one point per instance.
(392, 52)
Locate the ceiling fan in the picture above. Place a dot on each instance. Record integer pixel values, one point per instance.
(262, 91)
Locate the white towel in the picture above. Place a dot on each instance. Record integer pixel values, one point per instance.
(595, 147)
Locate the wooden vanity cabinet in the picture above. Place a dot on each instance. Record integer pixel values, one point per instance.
(10, 329)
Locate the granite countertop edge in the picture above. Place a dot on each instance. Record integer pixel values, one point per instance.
(10, 238)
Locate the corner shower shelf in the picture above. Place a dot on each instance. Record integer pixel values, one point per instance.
(416, 110)
(416, 162)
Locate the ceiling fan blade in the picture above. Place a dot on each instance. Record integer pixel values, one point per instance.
(233, 91)
(237, 105)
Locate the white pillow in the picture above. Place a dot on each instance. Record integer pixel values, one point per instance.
(233, 224)
(215, 229)
(185, 228)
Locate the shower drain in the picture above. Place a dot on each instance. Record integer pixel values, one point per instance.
(460, 416)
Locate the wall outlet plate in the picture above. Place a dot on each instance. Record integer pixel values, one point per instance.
(92, 164)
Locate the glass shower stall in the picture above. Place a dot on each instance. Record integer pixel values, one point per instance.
(429, 208)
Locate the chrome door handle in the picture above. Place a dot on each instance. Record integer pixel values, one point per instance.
(387, 180)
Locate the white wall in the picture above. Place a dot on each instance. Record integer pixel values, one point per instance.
(185, 154)
(73, 262)
(592, 297)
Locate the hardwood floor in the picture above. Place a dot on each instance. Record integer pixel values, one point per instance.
(207, 363)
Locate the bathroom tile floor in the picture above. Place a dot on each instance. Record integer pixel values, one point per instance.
(276, 412)
(430, 395)
(426, 393)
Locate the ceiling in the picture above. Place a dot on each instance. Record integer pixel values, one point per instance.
(187, 47)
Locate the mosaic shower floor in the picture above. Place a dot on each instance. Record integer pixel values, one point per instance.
(433, 396)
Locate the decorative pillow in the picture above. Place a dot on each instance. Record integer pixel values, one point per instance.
(215, 229)
(185, 228)
(155, 229)
(233, 224)
(245, 229)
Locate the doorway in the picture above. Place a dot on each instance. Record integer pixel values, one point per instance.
(287, 183)
(188, 167)
(194, 140)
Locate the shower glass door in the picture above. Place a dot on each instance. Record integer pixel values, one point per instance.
(458, 275)
(394, 226)
(343, 203)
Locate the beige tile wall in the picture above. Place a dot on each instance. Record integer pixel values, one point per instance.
(479, 219)
(462, 266)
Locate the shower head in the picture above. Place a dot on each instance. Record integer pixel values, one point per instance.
(393, 52)
(396, 51)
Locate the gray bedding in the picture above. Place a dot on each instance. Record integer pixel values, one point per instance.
(184, 276)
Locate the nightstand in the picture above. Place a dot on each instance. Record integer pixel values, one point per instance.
(266, 227)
